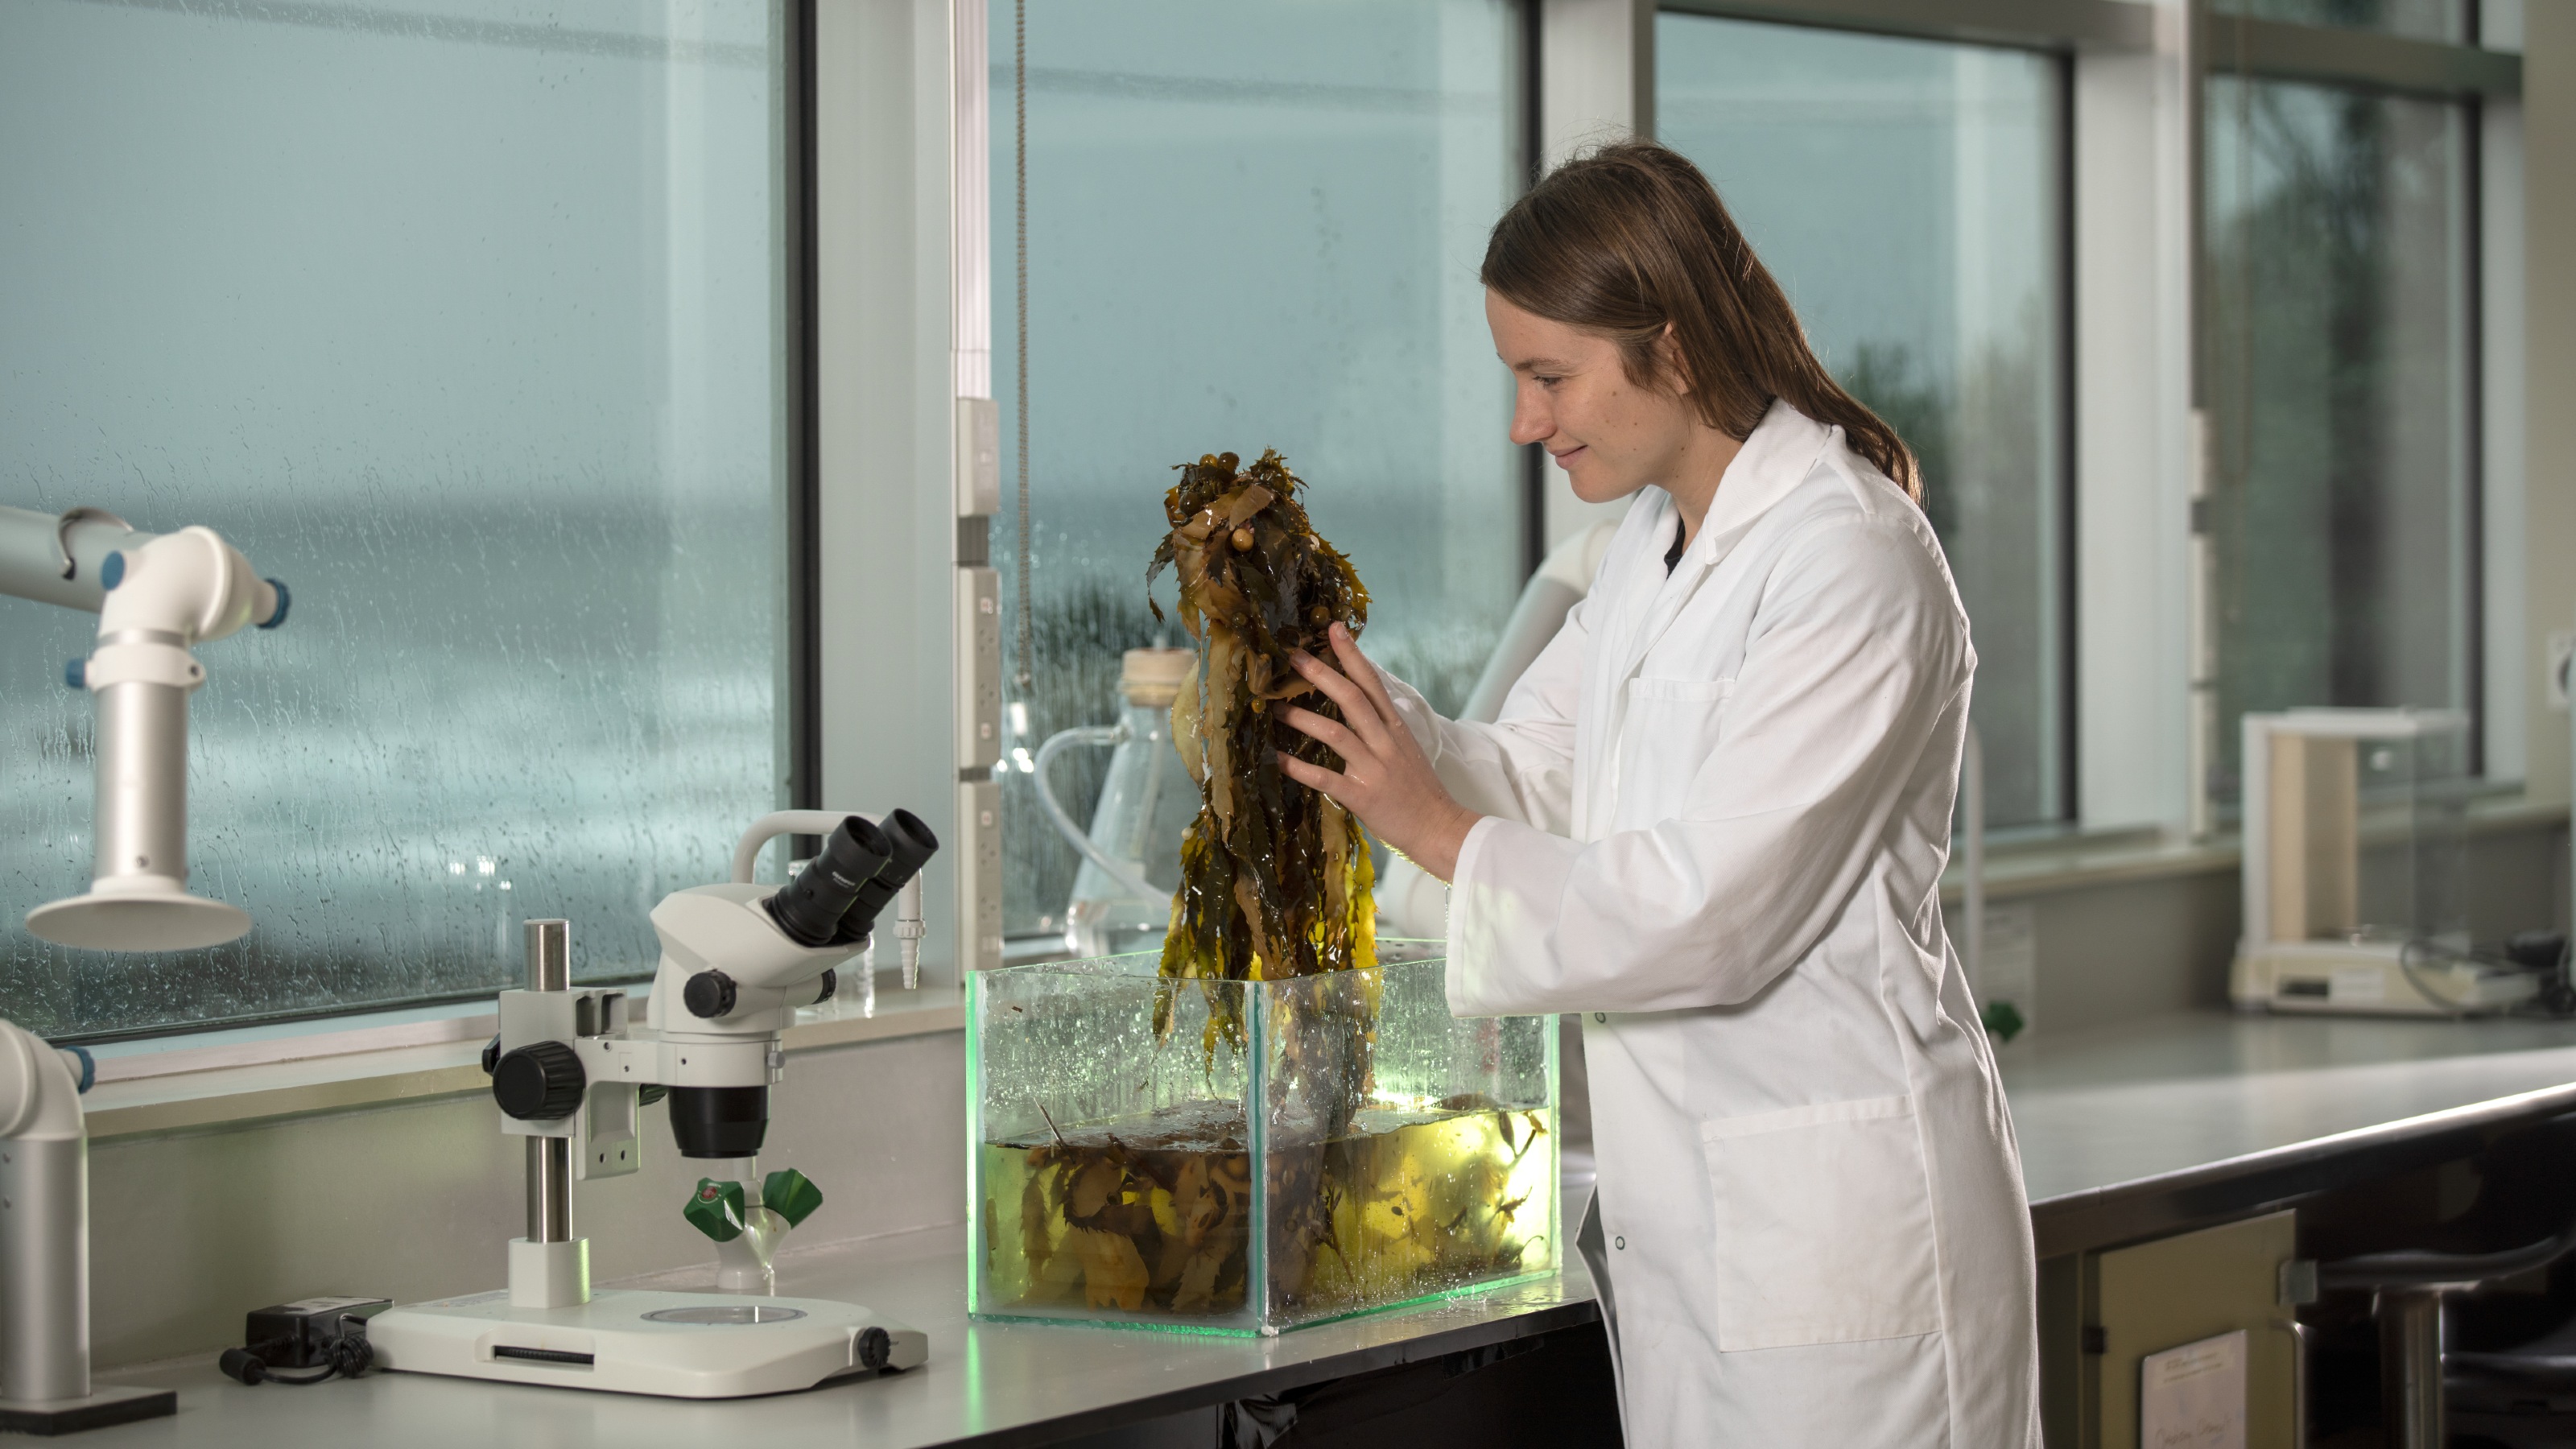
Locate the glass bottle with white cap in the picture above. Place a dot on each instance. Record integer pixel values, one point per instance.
(1131, 855)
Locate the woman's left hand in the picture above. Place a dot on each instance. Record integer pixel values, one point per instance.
(1385, 778)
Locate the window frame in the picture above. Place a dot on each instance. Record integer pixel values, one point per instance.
(2247, 50)
(2478, 80)
(2141, 712)
(2055, 31)
(883, 287)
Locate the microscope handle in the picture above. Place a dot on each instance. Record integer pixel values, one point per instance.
(746, 852)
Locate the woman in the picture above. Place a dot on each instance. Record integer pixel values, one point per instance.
(1712, 818)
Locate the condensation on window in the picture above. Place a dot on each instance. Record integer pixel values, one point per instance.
(1254, 225)
(463, 317)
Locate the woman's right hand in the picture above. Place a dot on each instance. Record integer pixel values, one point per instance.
(1386, 780)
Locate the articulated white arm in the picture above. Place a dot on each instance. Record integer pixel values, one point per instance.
(56, 558)
(190, 583)
(44, 1234)
(157, 596)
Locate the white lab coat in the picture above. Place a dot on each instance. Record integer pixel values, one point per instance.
(1718, 808)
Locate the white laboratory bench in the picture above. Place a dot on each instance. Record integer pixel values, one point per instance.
(2179, 1121)
(2125, 1133)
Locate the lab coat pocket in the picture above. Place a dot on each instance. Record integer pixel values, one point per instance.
(1671, 727)
(1824, 1225)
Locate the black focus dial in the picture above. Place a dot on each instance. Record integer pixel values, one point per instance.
(708, 995)
(542, 1082)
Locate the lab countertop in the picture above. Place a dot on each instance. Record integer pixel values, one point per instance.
(2173, 1121)
(2124, 1132)
(991, 1384)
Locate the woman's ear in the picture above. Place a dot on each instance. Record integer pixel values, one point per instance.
(1670, 363)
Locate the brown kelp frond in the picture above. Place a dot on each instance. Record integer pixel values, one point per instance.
(1275, 878)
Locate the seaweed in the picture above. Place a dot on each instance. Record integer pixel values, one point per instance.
(1275, 878)
(1159, 1218)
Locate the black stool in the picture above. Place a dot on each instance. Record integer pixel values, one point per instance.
(2522, 1397)
(2410, 1287)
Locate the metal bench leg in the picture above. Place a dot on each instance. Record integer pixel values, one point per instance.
(2410, 1366)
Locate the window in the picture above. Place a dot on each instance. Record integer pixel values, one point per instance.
(2444, 20)
(1908, 195)
(471, 327)
(2338, 354)
(1250, 226)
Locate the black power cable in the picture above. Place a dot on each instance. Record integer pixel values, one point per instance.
(304, 1342)
(344, 1357)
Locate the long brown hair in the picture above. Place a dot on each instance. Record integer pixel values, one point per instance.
(1630, 239)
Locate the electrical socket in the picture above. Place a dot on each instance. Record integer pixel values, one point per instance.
(2562, 645)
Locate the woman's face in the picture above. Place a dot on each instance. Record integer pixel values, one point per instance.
(1573, 397)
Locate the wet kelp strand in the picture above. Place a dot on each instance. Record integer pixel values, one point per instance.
(1275, 878)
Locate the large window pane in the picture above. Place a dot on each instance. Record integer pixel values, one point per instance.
(1250, 226)
(2340, 387)
(463, 317)
(1907, 195)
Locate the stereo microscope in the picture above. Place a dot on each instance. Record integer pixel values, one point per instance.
(570, 1070)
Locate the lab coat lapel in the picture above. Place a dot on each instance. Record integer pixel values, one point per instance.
(1775, 459)
(1623, 593)
(1778, 457)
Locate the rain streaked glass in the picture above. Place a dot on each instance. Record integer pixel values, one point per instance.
(1250, 226)
(463, 317)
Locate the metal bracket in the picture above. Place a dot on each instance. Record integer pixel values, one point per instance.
(2298, 1333)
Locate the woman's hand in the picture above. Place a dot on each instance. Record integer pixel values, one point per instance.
(1385, 779)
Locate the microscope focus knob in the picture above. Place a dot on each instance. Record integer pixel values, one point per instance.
(708, 995)
(542, 1082)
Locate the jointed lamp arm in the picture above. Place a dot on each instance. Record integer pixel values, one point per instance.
(157, 597)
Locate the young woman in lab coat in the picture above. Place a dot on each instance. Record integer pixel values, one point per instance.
(1712, 819)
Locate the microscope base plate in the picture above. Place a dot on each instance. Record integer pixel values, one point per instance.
(104, 1406)
(676, 1345)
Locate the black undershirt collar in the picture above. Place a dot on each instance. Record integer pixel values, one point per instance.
(1673, 555)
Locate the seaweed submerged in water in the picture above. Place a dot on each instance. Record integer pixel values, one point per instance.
(1275, 877)
(1355, 1199)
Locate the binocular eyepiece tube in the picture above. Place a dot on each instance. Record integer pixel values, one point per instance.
(836, 898)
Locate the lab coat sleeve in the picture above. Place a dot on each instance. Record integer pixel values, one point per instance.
(1521, 767)
(1855, 652)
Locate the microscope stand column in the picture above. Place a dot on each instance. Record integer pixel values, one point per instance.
(549, 1268)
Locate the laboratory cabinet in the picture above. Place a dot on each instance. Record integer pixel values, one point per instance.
(2164, 1334)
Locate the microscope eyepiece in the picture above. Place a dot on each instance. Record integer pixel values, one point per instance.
(909, 846)
(810, 907)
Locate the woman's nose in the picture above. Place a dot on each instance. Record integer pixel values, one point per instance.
(1531, 422)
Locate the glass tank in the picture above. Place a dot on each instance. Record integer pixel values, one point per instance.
(1279, 1154)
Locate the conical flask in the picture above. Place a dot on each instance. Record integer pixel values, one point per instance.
(1131, 855)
